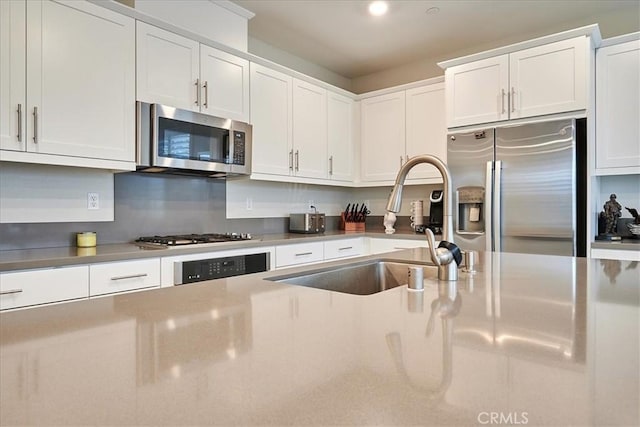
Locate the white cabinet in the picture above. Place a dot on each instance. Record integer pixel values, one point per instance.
(112, 277)
(33, 287)
(546, 79)
(383, 136)
(271, 117)
(343, 248)
(80, 84)
(377, 246)
(340, 135)
(299, 253)
(182, 73)
(619, 254)
(618, 108)
(309, 130)
(400, 125)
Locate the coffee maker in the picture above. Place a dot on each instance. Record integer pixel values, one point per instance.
(435, 211)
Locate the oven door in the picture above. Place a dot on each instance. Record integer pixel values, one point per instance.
(185, 139)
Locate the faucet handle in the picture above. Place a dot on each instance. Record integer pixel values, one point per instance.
(454, 249)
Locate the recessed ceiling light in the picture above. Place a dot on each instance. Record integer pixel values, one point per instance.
(378, 8)
(432, 10)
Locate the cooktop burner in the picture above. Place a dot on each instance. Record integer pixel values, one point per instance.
(193, 239)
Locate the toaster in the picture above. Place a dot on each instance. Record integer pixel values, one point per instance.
(309, 223)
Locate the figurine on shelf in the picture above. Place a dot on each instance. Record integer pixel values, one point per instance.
(612, 211)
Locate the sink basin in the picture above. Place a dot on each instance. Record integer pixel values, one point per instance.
(358, 279)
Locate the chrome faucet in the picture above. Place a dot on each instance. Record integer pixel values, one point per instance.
(447, 256)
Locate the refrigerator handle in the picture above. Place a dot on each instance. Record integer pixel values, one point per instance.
(488, 208)
(497, 198)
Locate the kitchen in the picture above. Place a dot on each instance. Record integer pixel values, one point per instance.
(139, 205)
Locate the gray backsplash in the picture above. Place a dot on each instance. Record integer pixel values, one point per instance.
(147, 205)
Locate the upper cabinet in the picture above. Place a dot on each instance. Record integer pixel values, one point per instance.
(618, 108)
(547, 79)
(182, 73)
(301, 131)
(399, 125)
(76, 105)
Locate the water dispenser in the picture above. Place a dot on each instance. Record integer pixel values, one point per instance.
(470, 210)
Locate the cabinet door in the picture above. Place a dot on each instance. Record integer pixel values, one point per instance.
(477, 92)
(12, 75)
(340, 110)
(618, 106)
(80, 81)
(383, 136)
(426, 127)
(310, 130)
(225, 84)
(271, 117)
(113, 277)
(167, 68)
(549, 79)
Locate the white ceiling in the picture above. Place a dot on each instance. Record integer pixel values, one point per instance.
(339, 35)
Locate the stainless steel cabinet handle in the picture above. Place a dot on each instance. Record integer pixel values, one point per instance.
(330, 165)
(35, 125)
(513, 99)
(206, 94)
(304, 253)
(346, 248)
(132, 276)
(19, 122)
(297, 160)
(503, 94)
(197, 83)
(291, 159)
(11, 291)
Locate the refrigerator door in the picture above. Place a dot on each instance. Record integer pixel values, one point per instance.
(534, 209)
(470, 161)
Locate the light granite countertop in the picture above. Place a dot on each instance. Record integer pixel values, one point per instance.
(61, 256)
(528, 339)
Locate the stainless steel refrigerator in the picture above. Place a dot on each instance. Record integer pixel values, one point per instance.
(520, 188)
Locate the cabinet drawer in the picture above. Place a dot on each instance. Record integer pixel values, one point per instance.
(343, 248)
(110, 277)
(301, 253)
(31, 287)
(377, 246)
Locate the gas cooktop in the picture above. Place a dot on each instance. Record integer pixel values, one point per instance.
(193, 239)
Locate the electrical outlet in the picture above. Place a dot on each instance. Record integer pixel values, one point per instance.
(93, 201)
(249, 203)
(310, 206)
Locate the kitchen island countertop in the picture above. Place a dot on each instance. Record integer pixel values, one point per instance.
(527, 339)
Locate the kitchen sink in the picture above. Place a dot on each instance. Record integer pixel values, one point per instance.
(364, 278)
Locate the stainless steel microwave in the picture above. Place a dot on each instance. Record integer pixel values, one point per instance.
(172, 140)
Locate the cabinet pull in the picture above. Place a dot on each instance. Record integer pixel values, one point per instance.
(330, 165)
(35, 125)
(297, 160)
(513, 99)
(304, 253)
(291, 159)
(132, 276)
(11, 291)
(503, 94)
(346, 248)
(197, 83)
(205, 86)
(19, 122)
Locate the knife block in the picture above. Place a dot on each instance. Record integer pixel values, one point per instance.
(351, 226)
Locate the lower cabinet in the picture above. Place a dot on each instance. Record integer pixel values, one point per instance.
(344, 248)
(111, 277)
(299, 253)
(377, 246)
(48, 285)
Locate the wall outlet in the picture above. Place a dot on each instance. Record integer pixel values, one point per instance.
(93, 201)
(249, 203)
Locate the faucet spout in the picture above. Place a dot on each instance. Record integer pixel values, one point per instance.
(395, 199)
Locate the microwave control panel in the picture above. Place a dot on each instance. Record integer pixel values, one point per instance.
(238, 147)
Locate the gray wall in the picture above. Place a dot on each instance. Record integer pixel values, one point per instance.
(146, 205)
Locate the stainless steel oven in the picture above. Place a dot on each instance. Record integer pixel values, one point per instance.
(217, 268)
(179, 141)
